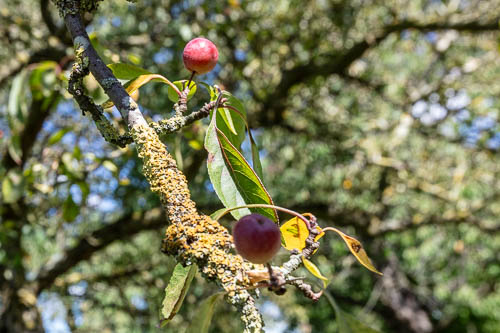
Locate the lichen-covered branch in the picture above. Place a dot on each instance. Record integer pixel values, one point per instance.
(75, 87)
(75, 6)
(177, 122)
(191, 237)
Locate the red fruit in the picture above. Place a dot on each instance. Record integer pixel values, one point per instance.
(200, 55)
(256, 238)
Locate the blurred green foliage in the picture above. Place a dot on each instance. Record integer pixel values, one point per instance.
(379, 117)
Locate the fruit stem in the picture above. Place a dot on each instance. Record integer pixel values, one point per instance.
(191, 78)
(288, 211)
(272, 278)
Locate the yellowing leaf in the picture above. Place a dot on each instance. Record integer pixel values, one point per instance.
(294, 234)
(138, 82)
(357, 249)
(315, 271)
(257, 276)
(196, 145)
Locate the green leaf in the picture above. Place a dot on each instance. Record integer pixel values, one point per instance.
(85, 188)
(134, 58)
(71, 167)
(234, 181)
(211, 90)
(203, 317)
(172, 94)
(136, 83)
(127, 71)
(110, 166)
(217, 214)
(15, 150)
(346, 322)
(57, 136)
(232, 120)
(42, 83)
(176, 290)
(257, 165)
(70, 209)
(17, 106)
(13, 186)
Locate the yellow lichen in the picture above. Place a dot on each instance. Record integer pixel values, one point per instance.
(190, 237)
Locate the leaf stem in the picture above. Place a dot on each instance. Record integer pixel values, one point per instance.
(285, 210)
(332, 229)
(173, 86)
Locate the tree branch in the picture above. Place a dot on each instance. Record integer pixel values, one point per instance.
(339, 63)
(55, 30)
(121, 229)
(112, 87)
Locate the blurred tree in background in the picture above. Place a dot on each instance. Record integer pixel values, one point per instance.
(379, 117)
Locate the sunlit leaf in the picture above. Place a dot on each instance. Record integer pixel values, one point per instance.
(201, 320)
(176, 290)
(41, 82)
(71, 167)
(16, 107)
(136, 83)
(172, 94)
(234, 181)
(315, 271)
(294, 233)
(15, 150)
(134, 58)
(231, 120)
(357, 249)
(195, 144)
(124, 71)
(13, 186)
(57, 136)
(228, 119)
(211, 90)
(44, 188)
(217, 214)
(110, 166)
